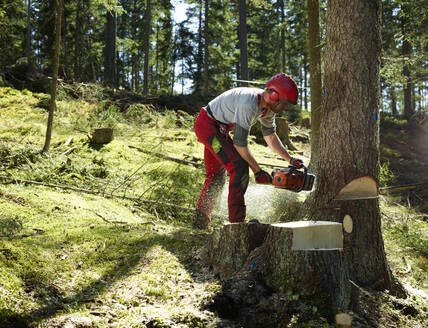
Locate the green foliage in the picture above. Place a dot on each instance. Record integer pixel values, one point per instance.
(386, 176)
(10, 225)
(17, 156)
(389, 121)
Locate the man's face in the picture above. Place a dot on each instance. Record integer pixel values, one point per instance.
(280, 106)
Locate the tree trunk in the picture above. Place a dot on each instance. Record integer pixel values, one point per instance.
(305, 83)
(282, 44)
(393, 97)
(52, 103)
(278, 52)
(314, 46)
(349, 134)
(408, 108)
(147, 31)
(63, 67)
(406, 51)
(77, 44)
(243, 41)
(28, 38)
(206, 53)
(199, 56)
(110, 50)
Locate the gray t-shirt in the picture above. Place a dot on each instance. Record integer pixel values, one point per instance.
(242, 107)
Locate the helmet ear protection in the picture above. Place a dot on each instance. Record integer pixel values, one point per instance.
(273, 95)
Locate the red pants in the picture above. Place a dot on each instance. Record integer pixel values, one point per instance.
(221, 155)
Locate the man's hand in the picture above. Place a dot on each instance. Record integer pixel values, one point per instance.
(296, 162)
(262, 177)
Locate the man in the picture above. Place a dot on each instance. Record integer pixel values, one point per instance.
(239, 109)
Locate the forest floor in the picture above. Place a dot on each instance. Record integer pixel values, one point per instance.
(105, 239)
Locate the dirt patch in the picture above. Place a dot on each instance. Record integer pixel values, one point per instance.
(68, 321)
(13, 198)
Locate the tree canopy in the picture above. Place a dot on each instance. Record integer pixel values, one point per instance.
(202, 52)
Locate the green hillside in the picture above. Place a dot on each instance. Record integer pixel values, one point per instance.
(100, 235)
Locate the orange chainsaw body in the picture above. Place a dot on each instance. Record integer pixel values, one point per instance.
(292, 179)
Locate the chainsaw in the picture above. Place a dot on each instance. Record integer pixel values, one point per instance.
(293, 179)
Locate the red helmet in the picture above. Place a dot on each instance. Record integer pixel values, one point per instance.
(282, 87)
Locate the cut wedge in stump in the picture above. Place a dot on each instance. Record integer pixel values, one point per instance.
(365, 187)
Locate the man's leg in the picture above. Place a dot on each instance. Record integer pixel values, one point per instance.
(213, 186)
(220, 146)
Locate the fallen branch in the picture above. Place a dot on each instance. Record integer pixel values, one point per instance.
(102, 217)
(170, 158)
(94, 192)
(408, 267)
(67, 152)
(10, 180)
(406, 186)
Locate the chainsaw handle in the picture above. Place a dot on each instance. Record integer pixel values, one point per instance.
(305, 169)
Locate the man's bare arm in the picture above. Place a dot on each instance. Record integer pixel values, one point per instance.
(276, 145)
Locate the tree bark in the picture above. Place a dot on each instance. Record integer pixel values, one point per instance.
(206, 53)
(349, 134)
(314, 46)
(77, 43)
(147, 31)
(393, 97)
(28, 38)
(199, 56)
(406, 51)
(282, 44)
(52, 104)
(110, 50)
(243, 41)
(408, 108)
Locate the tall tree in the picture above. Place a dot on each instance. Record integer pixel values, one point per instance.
(77, 41)
(110, 49)
(147, 46)
(314, 45)
(28, 38)
(282, 33)
(52, 103)
(406, 52)
(349, 134)
(206, 47)
(243, 40)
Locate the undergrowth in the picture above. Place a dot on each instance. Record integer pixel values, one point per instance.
(118, 249)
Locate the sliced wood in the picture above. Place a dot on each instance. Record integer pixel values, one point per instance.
(364, 187)
(343, 319)
(69, 140)
(348, 225)
(314, 235)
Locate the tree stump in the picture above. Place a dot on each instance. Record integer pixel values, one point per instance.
(283, 132)
(303, 257)
(102, 136)
(229, 247)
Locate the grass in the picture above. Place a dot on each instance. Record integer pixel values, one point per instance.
(107, 261)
